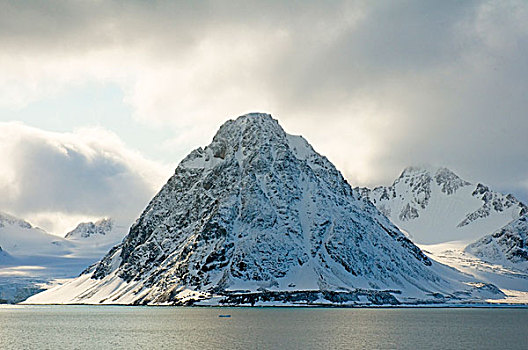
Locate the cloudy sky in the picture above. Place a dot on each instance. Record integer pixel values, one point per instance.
(99, 100)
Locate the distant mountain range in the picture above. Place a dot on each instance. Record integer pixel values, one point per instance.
(90, 239)
(259, 217)
(96, 229)
(434, 205)
(30, 257)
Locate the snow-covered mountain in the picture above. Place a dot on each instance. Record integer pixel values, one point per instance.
(442, 213)
(507, 246)
(90, 229)
(258, 216)
(20, 238)
(31, 257)
(434, 205)
(94, 239)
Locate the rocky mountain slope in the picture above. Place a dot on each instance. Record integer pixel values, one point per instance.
(434, 205)
(259, 217)
(507, 246)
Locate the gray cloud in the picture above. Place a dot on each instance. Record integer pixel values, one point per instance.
(376, 86)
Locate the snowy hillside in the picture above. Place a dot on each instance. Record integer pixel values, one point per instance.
(30, 257)
(20, 238)
(434, 205)
(509, 278)
(90, 229)
(258, 217)
(94, 239)
(507, 246)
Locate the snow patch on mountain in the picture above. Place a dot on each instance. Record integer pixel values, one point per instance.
(258, 216)
(434, 205)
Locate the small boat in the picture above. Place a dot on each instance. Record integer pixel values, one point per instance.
(224, 315)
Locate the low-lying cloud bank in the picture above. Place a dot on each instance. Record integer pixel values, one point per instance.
(56, 179)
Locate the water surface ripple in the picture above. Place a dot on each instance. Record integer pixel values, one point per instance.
(122, 327)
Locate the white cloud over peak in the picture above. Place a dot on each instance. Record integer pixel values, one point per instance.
(54, 179)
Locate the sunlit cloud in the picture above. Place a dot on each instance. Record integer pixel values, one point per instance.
(57, 179)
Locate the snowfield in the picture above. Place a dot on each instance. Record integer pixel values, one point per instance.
(32, 260)
(512, 281)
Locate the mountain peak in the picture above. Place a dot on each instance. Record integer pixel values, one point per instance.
(256, 115)
(250, 122)
(426, 169)
(255, 118)
(7, 219)
(423, 176)
(88, 229)
(413, 170)
(433, 204)
(254, 138)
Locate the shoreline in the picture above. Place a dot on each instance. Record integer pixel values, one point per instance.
(402, 306)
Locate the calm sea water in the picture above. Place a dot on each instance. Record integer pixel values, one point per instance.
(119, 327)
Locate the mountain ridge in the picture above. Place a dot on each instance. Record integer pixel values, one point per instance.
(100, 227)
(435, 205)
(30, 257)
